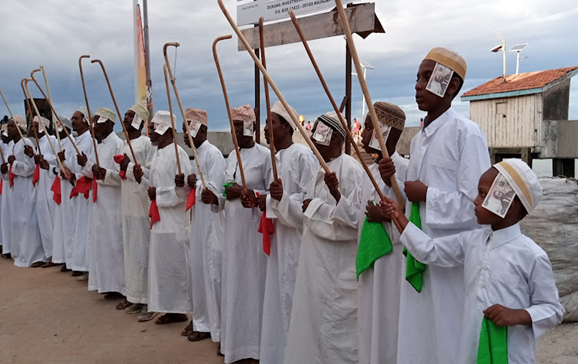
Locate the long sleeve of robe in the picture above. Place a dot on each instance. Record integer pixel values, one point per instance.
(244, 262)
(449, 156)
(105, 244)
(205, 244)
(500, 267)
(379, 286)
(26, 246)
(323, 324)
(64, 214)
(297, 167)
(136, 222)
(76, 249)
(5, 205)
(44, 202)
(169, 269)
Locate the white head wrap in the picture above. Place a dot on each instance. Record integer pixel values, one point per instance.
(162, 121)
(66, 121)
(280, 110)
(44, 120)
(140, 114)
(104, 115)
(20, 122)
(84, 112)
(522, 180)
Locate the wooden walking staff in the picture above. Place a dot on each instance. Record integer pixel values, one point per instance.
(57, 117)
(187, 129)
(22, 83)
(232, 124)
(62, 168)
(273, 85)
(120, 118)
(49, 98)
(365, 89)
(90, 123)
(336, 108)
(172, 119)
(268, 101)
(6, 103)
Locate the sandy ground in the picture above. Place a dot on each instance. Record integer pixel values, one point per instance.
(48, 317)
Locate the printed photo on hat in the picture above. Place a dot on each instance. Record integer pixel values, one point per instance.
(500, 197)
(385, 130)
(194, 127)
(440, 80)
(248, 128)
(323, 134)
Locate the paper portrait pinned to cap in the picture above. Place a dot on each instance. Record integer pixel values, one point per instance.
(323, 134)
(440, 80)
(385, 130)
(500, 197)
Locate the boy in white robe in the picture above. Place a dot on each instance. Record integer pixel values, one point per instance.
(244, 262)
(105, 246)
(511, 296)
(206, 231)
(447, 158)
(26, 246)
(296, 166)
(169, 286)
(64, 216)
(380, 277)
(44, 203)
(76, 249)
(323, 325)
(135, 208)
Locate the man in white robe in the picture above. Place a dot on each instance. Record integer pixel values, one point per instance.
(169, 287)
(135, 206)
(26, 246)
(206, 232)
(64, 216)
(6, 221)
(447, 158)
(106, 252)
(323, 327)
(244, 262)
(75, 249)
(44, 201)
(380, 283)
(297, 167)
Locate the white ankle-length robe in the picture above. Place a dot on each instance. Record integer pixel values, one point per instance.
(169, 269)
(205, 244)
(106, 252)
(244, 261)
(26, 244)
(44, 202)
(323, 327)
(6, 221)
(297, 167)
(379, 286)
(449, 156)
(136, 223)
(64, 216)
(75, 250)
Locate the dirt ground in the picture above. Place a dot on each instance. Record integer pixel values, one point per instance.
(48, 317)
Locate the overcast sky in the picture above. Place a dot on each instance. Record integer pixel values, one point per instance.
(54, 33)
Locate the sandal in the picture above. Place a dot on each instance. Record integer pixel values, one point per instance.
(169, 318)
(64, 269)
(36, 264)
(187, 329)
(123, 304)
(113, 296)
(219, 353)
(198, 336)
(48, 265)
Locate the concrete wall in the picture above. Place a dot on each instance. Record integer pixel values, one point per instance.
(557, 102)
